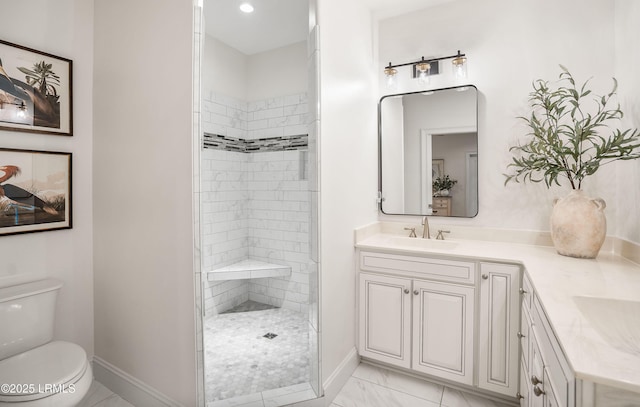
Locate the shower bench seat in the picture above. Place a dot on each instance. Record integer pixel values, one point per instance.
(248, 268)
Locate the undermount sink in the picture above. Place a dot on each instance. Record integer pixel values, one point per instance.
(617, 321)
(424, 243)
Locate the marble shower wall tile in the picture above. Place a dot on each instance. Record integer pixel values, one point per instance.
(279, 227)
(256, 205)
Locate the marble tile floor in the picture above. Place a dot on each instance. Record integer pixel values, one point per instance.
(99, 396)
(284, 396)
(371, 386)
(240, 361)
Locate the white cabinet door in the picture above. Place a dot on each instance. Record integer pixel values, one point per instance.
(385, 319)
(550, 399)
(443, 330)
(536, 375)
(499, 345)
(524, 387)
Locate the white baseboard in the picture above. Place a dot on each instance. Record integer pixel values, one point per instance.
(339, 377)
(128, 387)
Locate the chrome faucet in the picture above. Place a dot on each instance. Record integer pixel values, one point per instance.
(425, 229)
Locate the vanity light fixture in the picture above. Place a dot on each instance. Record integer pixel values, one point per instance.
(424, 68)
(246, 8)
(22, 108)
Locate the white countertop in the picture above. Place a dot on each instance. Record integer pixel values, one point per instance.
(601, 338)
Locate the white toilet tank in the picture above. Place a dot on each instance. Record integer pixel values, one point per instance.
(27, 313)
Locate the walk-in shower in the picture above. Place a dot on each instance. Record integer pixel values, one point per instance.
(259, 283)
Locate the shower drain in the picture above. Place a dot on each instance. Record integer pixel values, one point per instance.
(269, 335)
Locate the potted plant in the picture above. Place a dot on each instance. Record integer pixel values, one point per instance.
(442, 185)
(571, 136)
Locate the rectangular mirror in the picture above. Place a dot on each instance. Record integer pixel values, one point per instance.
(428, 152)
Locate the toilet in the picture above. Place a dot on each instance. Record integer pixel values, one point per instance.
(35, 371)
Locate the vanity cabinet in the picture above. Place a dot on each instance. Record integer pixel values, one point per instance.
(499, 350)
(430, 315)
(548, 380)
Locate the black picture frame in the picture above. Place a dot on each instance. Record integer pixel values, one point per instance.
(35, 191)
(36, 93)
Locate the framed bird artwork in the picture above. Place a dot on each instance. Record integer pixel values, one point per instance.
(35, 91)
(35, 191)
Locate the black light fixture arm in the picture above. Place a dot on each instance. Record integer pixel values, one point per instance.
(20, 105)
(458, 55)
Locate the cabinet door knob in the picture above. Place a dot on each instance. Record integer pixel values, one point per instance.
(518, 395)
(407, 291)
(537, 391)
(485, 277)
(416, 292)
(523, 291)
(521, 335)
(535, 380)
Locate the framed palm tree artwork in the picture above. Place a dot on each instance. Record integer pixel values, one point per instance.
(35, 91)
(35, 191)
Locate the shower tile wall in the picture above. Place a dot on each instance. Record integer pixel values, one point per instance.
(255, 205)
(279, 227)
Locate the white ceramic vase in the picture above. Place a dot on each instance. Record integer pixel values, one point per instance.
(578, 225)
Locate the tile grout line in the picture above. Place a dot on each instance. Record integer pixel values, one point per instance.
(405, 392)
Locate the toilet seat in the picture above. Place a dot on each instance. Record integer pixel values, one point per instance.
(42, 372)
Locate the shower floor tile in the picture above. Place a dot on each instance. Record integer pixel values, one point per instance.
(240, 361)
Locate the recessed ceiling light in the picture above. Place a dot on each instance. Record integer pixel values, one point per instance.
(246, 8)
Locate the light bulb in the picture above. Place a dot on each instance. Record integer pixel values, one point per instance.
(423, 73)
(459, 64)
(391, 77)
(246, 8)
(22, 111)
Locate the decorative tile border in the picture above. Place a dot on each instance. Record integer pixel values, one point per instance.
(219, 142)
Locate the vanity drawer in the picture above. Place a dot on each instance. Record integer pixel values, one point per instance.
(419, 267)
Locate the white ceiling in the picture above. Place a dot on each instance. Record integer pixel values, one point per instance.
(382, 9)
(276, 23)
(273, 23)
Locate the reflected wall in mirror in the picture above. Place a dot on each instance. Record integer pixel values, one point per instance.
(426, 139)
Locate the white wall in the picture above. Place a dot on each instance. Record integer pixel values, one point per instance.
(508, 45)
(348, 172)
(224, 70)
(393, 157)
(281, 71)
(277, 72)
(143, 236)
(627, 60)
(64, 28)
